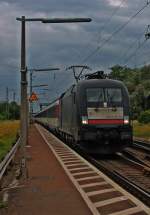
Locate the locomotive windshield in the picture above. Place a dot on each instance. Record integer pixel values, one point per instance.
(104, 104)
(113, 95)
(110, 95)
(95, 95)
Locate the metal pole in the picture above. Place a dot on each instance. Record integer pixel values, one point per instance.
(14, 99)
(14, 96)
(24, 104)
(7, 99)
(7, 102)
(31, 107)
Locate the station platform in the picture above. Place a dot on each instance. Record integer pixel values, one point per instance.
(61, 182)
(48, 190)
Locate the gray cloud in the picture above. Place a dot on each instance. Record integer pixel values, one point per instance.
(64, 45)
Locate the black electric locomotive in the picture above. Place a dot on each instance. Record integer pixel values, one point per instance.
(94, 114)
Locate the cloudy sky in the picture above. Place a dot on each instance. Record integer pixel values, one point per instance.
(115, 34)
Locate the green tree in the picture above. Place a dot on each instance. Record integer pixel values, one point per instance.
(138, 83)
(9, 111)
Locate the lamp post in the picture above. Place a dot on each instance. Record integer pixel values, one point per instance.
(24, 101)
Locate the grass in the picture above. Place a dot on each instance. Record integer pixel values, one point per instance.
(141, 130)
(8, 133)
(3, 205)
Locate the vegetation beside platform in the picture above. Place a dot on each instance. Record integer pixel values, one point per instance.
(141, 130)
(9, 111)
(137, 80)
(8, 136)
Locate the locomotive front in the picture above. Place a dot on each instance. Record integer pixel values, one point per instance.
(105, 125)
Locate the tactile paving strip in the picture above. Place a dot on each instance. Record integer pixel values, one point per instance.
(101, 194)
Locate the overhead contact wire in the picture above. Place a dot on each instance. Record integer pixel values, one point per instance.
(133, 54)
(115, 32)
(131, 46)
(110, 18)
(103, 26)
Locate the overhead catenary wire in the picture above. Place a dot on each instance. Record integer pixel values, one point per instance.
(131, 46)
(132, 55)
(106, 23)
(57, 91)
(115, 32)
(110, 18)
(77, 53)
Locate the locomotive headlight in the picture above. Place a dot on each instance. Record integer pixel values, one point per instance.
(126, 120)
(84, 120)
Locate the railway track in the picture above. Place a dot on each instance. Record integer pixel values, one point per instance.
(139, 155)
(8, 159)
(141, 145)
(130, 170)
(128, 174)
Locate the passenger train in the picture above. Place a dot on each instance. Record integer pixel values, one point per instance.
(93, 114)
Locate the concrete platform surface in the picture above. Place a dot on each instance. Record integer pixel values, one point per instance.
(48, 190)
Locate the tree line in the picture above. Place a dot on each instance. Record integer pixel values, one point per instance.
(137, 81)
(9, 111)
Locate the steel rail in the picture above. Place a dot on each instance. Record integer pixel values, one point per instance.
(128, 154)
(8, 158)
(142, 144)
(123, 181)
(141, 193)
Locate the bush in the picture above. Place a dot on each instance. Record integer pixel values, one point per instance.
(2, 116)
(13, 113)
(144, 117)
